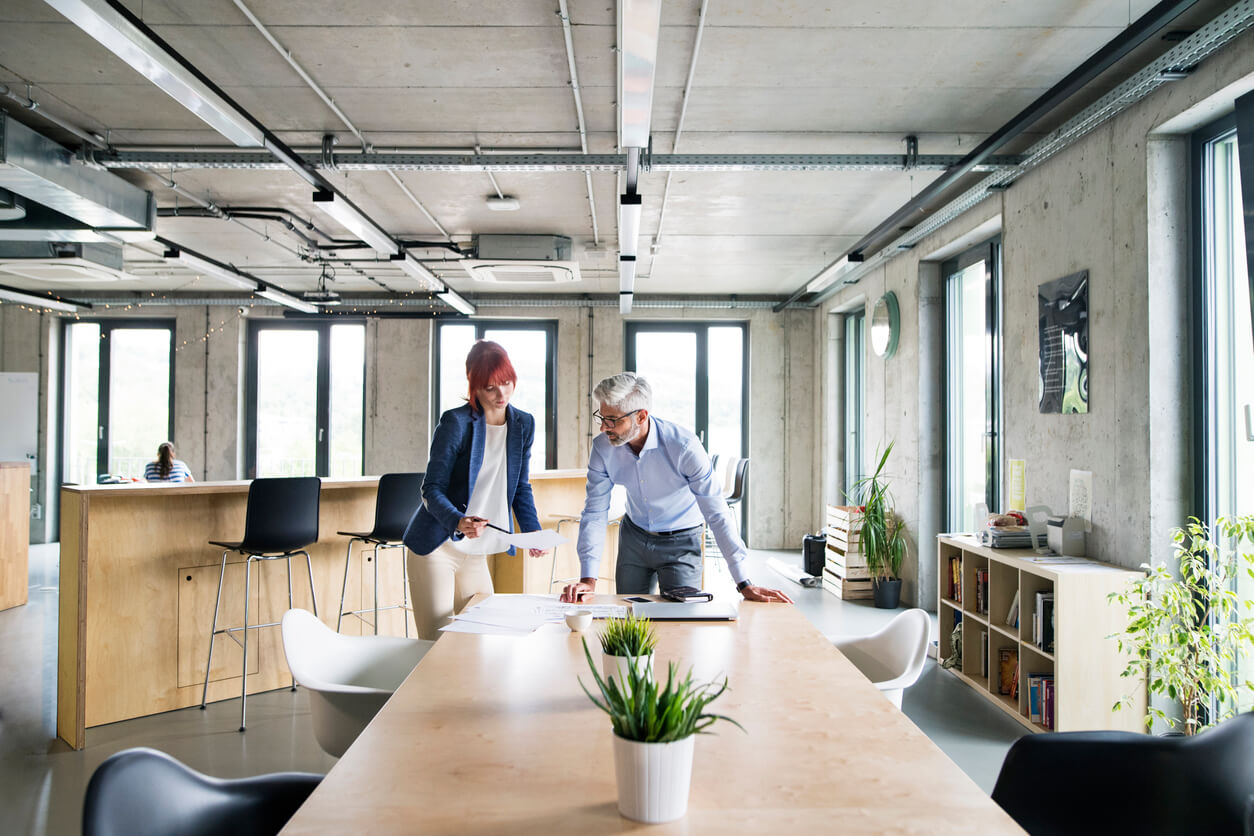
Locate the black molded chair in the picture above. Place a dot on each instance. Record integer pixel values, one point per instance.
(399, 495)
(734, 498)
(281, 520)
(143, 792)
(1119, 782)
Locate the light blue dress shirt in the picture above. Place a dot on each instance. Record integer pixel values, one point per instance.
(670, 486)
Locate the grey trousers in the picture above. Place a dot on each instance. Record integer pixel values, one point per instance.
(645, 559)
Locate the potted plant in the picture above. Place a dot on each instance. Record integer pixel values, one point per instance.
(627, 642)
(882, 539)
(1186, 629)
(654, 731)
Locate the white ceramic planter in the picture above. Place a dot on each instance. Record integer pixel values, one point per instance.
(616, 666)
(653, 778)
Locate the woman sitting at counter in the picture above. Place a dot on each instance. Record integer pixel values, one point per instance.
(476, 473)
(167, 468)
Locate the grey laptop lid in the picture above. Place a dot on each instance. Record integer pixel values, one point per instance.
(697, 611)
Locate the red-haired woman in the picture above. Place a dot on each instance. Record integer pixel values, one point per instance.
(476, 473)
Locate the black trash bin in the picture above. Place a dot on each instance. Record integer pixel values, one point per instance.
(813, 546)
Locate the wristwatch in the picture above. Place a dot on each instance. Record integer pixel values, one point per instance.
(740, 587)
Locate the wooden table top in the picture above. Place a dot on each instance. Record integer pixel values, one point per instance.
(493, 734)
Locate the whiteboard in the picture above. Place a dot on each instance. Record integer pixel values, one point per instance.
(19, 416)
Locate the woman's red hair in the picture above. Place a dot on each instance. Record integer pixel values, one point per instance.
(487, 364)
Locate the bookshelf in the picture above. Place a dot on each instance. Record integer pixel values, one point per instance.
(1082, 664)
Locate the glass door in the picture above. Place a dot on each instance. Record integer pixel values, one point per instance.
(855, 358)
(119, 392)
(306, 399)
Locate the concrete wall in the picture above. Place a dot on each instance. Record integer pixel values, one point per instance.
(210, 347)
(1114, 203)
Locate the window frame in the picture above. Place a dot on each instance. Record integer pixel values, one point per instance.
(989, 252)
(481, 326)
(107, 326)
(853, 324)
(322, 454)
(701, 328)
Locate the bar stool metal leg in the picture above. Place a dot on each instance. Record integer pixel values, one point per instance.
(243, 700)
(348, 558)
(313, 596)
(287, 560)
(405, 589)
(375, 558)
(213, 631)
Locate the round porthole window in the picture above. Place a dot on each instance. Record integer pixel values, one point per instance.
(885, 325)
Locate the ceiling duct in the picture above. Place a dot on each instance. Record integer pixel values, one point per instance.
(522, 259)
(47, 264)
(47, 173)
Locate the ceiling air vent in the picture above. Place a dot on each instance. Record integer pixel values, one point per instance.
(62, 263)
(522, 259)
(523, 272)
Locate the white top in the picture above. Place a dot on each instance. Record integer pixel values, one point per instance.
(489, 499)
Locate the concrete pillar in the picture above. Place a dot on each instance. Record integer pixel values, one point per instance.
(931, 413)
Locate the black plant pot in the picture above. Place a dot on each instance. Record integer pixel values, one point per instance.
(887, 593)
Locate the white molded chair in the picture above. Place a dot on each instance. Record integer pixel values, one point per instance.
(891, 658)
(349, 678)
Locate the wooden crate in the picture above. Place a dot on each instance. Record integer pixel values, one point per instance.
(849, 590)
(844, 523)
(848, 563)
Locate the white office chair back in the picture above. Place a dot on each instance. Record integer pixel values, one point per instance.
(893, 657)
(349, 678)
(618, 503)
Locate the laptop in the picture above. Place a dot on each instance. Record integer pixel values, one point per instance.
(695, 611)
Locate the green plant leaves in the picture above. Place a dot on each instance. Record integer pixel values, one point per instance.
(628, 636)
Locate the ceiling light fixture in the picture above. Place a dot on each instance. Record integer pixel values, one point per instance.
(455, 301)
(419, 271)
(352, 219)
(276, 295)
(222, 272)
(11, 294)
(626, 282)
(116, 33)
(822, 280)
(624, 302)
(629, 210)
(638, 25)
(504, 203)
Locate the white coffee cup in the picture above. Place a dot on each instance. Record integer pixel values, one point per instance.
(579, 620)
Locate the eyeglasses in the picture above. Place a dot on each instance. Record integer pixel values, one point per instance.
(611, 420)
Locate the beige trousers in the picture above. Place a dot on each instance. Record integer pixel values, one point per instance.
(442, 583)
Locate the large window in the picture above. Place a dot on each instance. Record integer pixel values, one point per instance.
(1226, 344)
(855, 360)
(699, 373)
(119, 397)
(532, 349)
(306, 398)
(973, 384)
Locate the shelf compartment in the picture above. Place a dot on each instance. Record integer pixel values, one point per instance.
(1031, 586)
(1002, 589)
(975, 662)
(972, 601)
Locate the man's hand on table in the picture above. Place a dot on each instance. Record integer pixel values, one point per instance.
(764, 595)
(583, 590)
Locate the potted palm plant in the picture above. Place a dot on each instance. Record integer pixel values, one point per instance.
(626, 642)
(654, 731)
(882, 539)
(1187, 629)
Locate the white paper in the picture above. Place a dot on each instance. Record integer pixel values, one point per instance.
(480, 629)
(544, 539)
(791, 573)
(1081, 497)
(526, 613)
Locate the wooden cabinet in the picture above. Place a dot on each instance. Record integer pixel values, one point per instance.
(977, 591)
(14, 533)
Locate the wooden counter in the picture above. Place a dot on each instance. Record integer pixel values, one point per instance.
(139, 578)
(14, 533)
(492, 734)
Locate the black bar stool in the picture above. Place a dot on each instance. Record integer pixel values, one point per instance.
(399, 495)
(281, 520)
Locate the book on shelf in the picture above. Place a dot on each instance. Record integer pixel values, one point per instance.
(984, 653)
(1043, 622)
(955, 579)
(1014, 687)
(1007, 671)
(1041, 699)
(1012, 616)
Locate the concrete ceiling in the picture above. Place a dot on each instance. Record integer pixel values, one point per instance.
(772, 77)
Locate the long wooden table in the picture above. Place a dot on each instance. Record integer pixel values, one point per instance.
(492, 734)
(14, 533)
(139, 580)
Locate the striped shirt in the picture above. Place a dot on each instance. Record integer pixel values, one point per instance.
(178, 472)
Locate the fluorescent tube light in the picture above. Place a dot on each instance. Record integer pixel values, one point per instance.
(626, 273)
(624, 302)
(221, 272)
(638, 25)
(419, 271)
(153, 61)
(276, 295)
(338, 207)
(503, 204)
(822, 280)
(52, 303)
(629, 208)
(454, 300)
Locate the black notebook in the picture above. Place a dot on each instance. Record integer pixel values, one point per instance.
(686, 595)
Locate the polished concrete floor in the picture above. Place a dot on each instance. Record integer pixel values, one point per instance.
(42, 780)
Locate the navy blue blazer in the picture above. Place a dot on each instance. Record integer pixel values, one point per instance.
(453, 466)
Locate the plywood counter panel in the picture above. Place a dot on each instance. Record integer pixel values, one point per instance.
(14, 533)
(139, 579)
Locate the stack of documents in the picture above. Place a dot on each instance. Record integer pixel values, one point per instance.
(1008, 537)
(518, 615)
